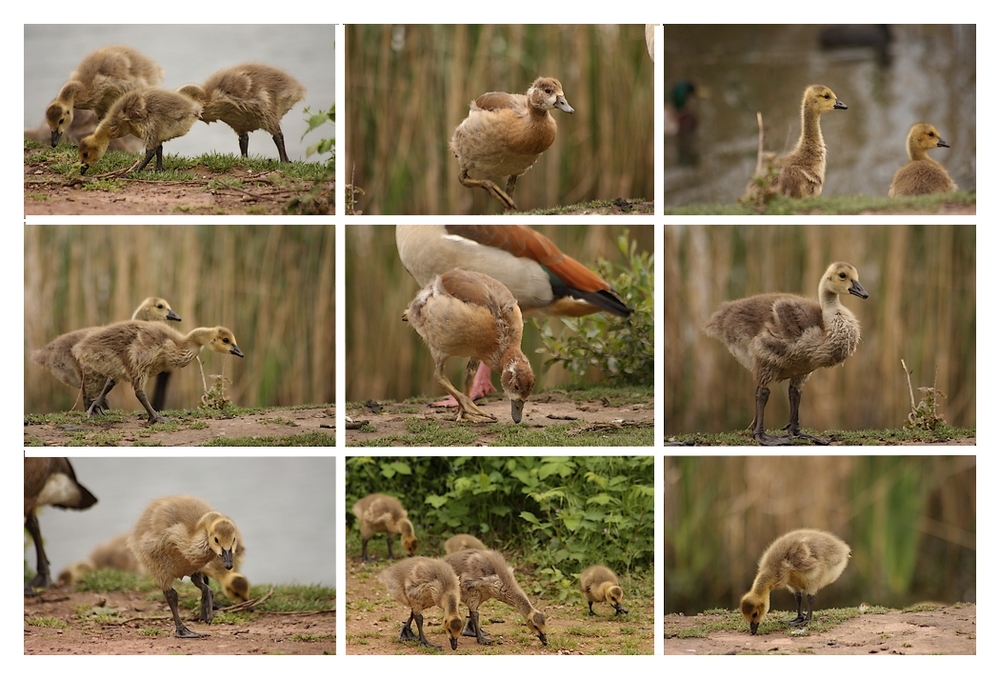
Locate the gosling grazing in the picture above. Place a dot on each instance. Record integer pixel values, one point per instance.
(380, 513)
(456, 543)
(48, 481)
(420, 583)
(801, 172)
(779, 336)
(249, 97)
(543, 280)
(57, 356)
(485, 575)
(102, 77)
(504, 134)
(466, 313)
(922, 174)
(803, 561)
(180, 536)
(152, 114)
(134, 351)
(599, 584)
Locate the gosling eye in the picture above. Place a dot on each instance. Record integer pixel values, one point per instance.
(843, 276)
(216, 540)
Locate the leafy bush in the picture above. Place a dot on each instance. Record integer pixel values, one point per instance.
(621, 349)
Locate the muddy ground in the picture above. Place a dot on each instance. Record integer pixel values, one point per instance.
(298, 426)
(60, 622)
(947, 630)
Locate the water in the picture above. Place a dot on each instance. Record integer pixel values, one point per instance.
(284, 507)
(189, 54)
(926, 74)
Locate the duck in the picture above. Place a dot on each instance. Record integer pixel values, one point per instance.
(380, 513)
(504, 134)
(923, 174)
(804, 561)
(800, 174)
(152, 114)
(779, 336)
(134, 351)
(419, 583)
(177, 536)
(467, 313)
(248, 97)
(456, 543)
(99, 80)
(57, 356)
(599, 584)
(49, 481)
(544, 280)
(485, 575)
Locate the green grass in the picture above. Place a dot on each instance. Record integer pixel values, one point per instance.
(296, 440)
(724, 620)
(47, 622)
(834, 205)
(865, 437)
(616, 206)
(113, 580)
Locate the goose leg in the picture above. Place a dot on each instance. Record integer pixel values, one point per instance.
(800, 619)
(482, 385)
(489, 187)
(160, 391)
(794, 398)
(154, 417)
(159, 158)
(511, 181)
(244, 144)
(207, 611)
(761, 436)
(95, 406)
(279, 141)
(388, 542)
(145, 161)
(364, 551)
(42, 579)
(406, 634)
(180, 629)
(591, 603)
(467, 410)
(420, 630)
(481, 636)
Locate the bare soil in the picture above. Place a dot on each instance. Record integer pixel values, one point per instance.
(948, 630)
(59, 622)
(389, 420)
(184, 430)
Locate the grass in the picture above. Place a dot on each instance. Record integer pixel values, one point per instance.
(835, 205)
(724, 620)
(865, 437)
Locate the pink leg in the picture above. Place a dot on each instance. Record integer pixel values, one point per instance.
(481, 386)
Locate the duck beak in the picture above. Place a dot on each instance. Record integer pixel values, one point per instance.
(857, 290)
(227, 559)
(840, 104)
(516, 406)
(941, 143)
(171, 316)
(236, 350)
(753, 627)
(563, 105)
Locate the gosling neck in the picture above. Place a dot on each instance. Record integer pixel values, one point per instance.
(916, 151)
(811, 139)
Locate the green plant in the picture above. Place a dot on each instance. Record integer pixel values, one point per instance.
(316, 120)
(924, 415)
(622, 350)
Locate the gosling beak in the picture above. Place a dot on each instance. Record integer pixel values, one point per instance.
(840, 104)
(941, 143)
(171, 316)
(236, 350)
(563, 105)
(55, 138)
(619, 610)
(84, 168)
(857, 290)
(516, 406)
(544, 639)
(227, 559)
(753, 627)
(454, 644)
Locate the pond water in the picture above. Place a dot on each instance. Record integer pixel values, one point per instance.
(283, 506)
(911, 74)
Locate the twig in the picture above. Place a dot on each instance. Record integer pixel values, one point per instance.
(909, 385)
(760, 145)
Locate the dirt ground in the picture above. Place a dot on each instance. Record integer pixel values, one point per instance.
(373, 622)
(190, 431)
(948, 630)
(146, 628)
(389, 420)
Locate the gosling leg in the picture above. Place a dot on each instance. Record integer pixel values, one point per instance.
(591, 603)
(467, 410)
(154, 417)
(420, 630)
(800, 620)
(279, 141)
(406, 634)
(481, 636)
(207, 611)
(244, 143)
(794, 398)
(364, 551)
(388, 543)
(160, 391)
(489, 187)
(95, 406)
(180, 629)
(43, 578)
(761, 436)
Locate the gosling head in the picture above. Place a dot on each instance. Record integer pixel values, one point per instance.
(59, 117)
(923, 137)
(91, 150)
(453, 625)
(237, 588)
(223, 341)
(821, 99)
(410, 544)
(614, 595)
(842, 279)
(160, 308)
(536, 623)
(517, 380)
(193, 92)
(754, 608)
(547, 93)
(222, 539)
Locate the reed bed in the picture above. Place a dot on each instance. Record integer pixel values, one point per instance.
(272, 286)
(922, 309)
(386, 357)
(910, 522)
(408, 88)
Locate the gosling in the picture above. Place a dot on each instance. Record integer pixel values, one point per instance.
(456, 543)
(600, 585)
(923, 174)
(380, 513)
(181, 535)
(420, 582)
(803, 561)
